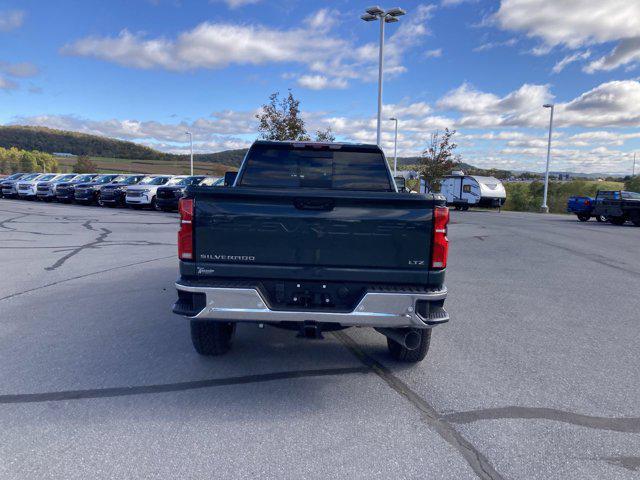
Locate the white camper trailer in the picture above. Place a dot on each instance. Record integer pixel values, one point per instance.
(464, 191)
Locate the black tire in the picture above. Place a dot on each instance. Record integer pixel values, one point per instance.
(153, 204)
(403, 354)
(636, 222)
(618, 220)
(601, 218)
(584, 218)
(465, 208)
(212, 338)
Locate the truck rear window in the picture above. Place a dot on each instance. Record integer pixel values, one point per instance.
(290, 167)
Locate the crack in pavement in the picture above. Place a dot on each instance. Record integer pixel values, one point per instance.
(66, 248)
(615, 424)
(481, 466)
(16, 294)
(8, 220)
(93, 244)
(175, 387)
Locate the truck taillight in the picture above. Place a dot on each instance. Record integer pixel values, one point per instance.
(185, 234)
(440, 240)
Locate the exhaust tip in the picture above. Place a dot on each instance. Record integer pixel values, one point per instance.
(409, 338)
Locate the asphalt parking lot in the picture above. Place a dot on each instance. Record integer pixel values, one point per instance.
(537, 376)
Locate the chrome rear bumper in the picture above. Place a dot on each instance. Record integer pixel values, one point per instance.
(392, 310)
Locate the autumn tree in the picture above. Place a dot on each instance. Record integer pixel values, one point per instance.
(439, 158)
(85, 165)
(280, 119)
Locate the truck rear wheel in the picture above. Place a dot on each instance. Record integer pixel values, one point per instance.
(403, 354)
(212, 338)
(618, 220)
(584, 218)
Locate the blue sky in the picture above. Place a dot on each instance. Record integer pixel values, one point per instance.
(147, 70)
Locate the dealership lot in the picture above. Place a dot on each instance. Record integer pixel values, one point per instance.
(536, 376)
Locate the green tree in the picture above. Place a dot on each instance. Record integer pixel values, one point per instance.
(85, 165)
(325, 135)
(633, 184)
(280, 119)
(438, 159)
(28, 162)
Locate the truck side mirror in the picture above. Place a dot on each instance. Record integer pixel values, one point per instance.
(230, 178)
(401, 183)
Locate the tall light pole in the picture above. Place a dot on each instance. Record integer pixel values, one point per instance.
(191, 145)
(633, 171)
(395, 147)
(544, 208)
(383, 16)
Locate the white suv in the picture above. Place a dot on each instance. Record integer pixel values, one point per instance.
(144, 193)
(27, 186)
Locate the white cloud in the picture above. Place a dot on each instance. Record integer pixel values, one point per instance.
(226, 123)
(437, 53)
(625, 53)
(609, 104)
(487, 110)
(491, 45)
(562, 64)
(11, 19)
(572, 23)
(320, 82)
(323, 19)
(21, 70)
(331, 60)
(577, 23)
(208, 45)
(236, 3)
(453, 3)
(6, 84)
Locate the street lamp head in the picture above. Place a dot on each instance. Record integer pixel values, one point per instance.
(368, 17)
(548, 105)
(396, 12)
(374, 11)
(393, 119)
(390, 19)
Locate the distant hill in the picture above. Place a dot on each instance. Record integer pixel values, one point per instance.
(50, 141)
(230, 158)
(61, 141)
(411, 162)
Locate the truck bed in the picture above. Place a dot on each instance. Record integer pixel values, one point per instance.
(366, 237)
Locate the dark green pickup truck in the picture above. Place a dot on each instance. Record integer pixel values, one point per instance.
(313, 237)
(618, 207)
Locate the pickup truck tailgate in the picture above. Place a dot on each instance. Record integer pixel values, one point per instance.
(308, 228)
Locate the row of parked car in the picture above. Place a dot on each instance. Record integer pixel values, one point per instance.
(160, 192)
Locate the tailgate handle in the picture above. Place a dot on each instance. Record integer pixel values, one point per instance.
(308, 204)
